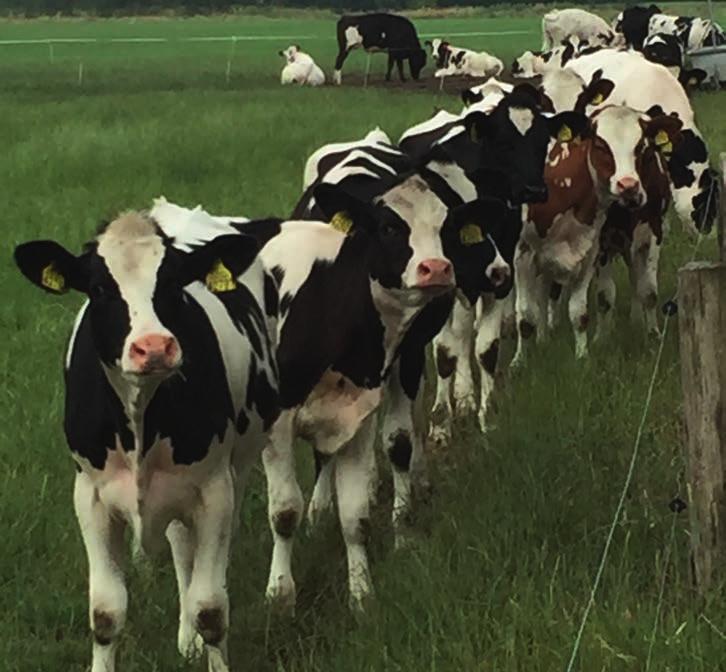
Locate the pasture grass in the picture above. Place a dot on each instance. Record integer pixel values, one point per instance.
(502, 568)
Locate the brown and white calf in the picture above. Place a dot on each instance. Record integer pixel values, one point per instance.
(618, 160)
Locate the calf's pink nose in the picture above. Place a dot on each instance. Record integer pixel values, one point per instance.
(627, 184)
(434, 272)
(154, 351)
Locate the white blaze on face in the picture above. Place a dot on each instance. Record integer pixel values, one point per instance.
(353, 38)
(522, 118)
(133, 252)
(620, 128)
(424, 213)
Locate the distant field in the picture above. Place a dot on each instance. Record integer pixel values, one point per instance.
(502, 571)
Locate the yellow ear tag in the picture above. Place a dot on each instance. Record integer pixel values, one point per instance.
(342, 222)
(597, 99)
(51, 279)
(470, 234)
(220, 279)
(565, 134)
(663, 142)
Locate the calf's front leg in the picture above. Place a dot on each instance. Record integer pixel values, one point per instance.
(103, 537)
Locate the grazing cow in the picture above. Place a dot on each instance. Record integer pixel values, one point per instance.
(692, 32)
(562, 24)
(171, 387)
(471, 234)
(619, 158)
(380, 32)
(642, 85)
(633, 23)
(501, 146)
(452, 60)
(349, 293)
(300, 68)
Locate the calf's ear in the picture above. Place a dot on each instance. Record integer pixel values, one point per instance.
(595, 92)
(478, 126)
(51, 267)
(220, 262)
(345, 212)
(665, 131)
(569, 126)
(475, 220)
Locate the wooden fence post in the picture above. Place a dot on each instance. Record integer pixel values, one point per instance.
(702, 327)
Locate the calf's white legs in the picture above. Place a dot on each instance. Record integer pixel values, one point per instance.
(489, 314)
(354, 471)
(285, 508)
(103, 538)
(452, 348)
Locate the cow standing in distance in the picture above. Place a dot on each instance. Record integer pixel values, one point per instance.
(452, 60)
(471, 234)
(171, 387)
(393, 34)
(562, 24)
(633, 24)
(499, 144)
(693, 32)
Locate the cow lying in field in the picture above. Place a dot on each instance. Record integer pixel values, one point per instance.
(171, 387)
(452, 60)
(391, 33)
(300, 68)
(559, 25)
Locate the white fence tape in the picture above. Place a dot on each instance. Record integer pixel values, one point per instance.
(229, 38)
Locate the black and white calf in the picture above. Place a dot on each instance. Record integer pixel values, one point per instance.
(692, 32)
(469, 230)
(391, 33)
(451, 60)
(499, 143)
(171, 387)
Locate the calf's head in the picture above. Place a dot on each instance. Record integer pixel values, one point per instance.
(627, 146)
(290, 53)
(404, 224)
(513, 141)
(479, 238)
(134, 280)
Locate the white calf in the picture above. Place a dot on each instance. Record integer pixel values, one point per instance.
(300, 68)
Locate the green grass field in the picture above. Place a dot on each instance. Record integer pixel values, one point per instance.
(501, 573)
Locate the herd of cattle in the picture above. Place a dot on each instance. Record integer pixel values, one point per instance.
(207, 341)
(662, 38)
